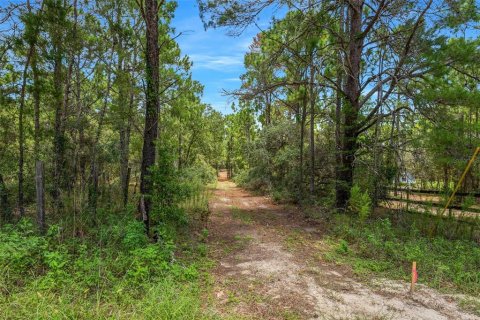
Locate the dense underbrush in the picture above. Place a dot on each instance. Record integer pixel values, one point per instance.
(113, 272)
(105, 267)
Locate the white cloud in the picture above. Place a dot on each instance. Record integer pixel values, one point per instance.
(244, 44)
(232, 80)
(217, 62)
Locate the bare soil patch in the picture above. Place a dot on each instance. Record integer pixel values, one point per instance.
(269, 266)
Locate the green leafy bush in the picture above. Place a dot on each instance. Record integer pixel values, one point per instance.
(360, 203)
(173, 187)
(134, 235)
(342, 247)
(200, 172)
(20, 249)
(115, 272)
(273, 161)
(112, 269)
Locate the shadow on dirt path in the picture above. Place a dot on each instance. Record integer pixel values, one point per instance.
(269, 266)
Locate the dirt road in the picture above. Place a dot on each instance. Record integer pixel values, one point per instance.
(269, 265)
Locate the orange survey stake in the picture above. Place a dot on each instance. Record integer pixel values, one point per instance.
(414, 276)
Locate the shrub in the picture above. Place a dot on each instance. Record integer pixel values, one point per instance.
(169, 189)
(273, 160)
(242, 177)
(200, 172)
(95, 277)
(342, 247)
(360, 203)
(20, 249)
(134, 235)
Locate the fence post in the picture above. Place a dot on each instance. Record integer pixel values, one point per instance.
(408, 197)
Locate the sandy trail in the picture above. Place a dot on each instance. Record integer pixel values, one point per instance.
(269, 266)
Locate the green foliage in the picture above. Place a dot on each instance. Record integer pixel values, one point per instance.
(342, 247)
(163, 299)
(148, 262)
(389, 250)
(468, 202)
(122, 275)
(135, 236)
(98, 263)
(360, 203)
(177, 190)
(273, 159)
(200, 172)
(20, 250)
(170, 189)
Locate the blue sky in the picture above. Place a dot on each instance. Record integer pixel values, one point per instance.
(217, 58)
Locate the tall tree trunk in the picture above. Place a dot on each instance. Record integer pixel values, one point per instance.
(180, 145)
(32, 39)
(352, 105)
(124, 122)
(36, 108)
(93, 190)
(268, 109)
(398, 153)
(125, 151)
(303, 119)
(21, 132)
(152, 106)
(392, 155)
(78, 170)
(94, 167)
(377, 150)
(229, 157)
(376, 163)
(124, 169)
(58, 138)
(338, 115)
(65, 178)
(312, 129)
(39, 169)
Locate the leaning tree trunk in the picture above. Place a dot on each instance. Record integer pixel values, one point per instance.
(152, 107)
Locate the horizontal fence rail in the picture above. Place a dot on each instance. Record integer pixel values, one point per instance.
(425, 191)
(433, 204)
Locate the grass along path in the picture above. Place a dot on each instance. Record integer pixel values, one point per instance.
(270, 265)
